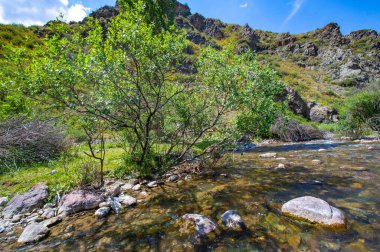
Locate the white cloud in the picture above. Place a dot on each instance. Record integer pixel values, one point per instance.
(64, 2)
(2, 19)
(77, 12)
(39, 12)
(296, 5)
(244, 5)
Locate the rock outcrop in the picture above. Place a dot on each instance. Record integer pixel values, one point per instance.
(313, 210)
(296, 103)
(23, 203)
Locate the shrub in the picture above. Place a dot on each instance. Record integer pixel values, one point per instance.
(292, 131)
(28, 141)
(361, 111)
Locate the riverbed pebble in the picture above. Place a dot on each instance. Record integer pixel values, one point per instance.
(105, 204)
(280, 166)
(268, 155)
(102, 212)
(136, 187)
(152, 184)
(144, 194)
(173, 178)
(3, 201)
(126, 187)
(16, 218)
(48, 213)
(113, 190)
(316, 162)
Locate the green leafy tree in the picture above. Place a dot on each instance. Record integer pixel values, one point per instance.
(159, 13)
(126, 81)
(251, 89)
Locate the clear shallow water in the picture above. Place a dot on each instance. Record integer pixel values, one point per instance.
(348, 178)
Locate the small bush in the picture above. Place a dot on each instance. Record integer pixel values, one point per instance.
(361, 112)
(292, 131)
(27, 141)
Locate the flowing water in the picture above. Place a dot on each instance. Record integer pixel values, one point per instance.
(348, 178)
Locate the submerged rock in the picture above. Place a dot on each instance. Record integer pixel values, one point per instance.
(79, 200)
(314, 210)
(23, 203)
(33, 233)
(102, 212)
(232, 219)
(203, 225)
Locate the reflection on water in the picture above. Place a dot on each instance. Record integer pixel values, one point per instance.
(347, 176)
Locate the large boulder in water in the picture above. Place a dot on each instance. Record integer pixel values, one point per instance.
(79, 200)
(23, 203)
(314, 210)
(203, 225)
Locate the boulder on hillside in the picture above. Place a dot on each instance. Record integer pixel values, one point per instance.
(284, 39)
(23, 203)
(296, 103)
(321, 114)
(310, 49)
(79, 200)
(357, 35)
(314, 210)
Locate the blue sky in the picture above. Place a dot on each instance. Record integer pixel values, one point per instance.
(293, 16)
